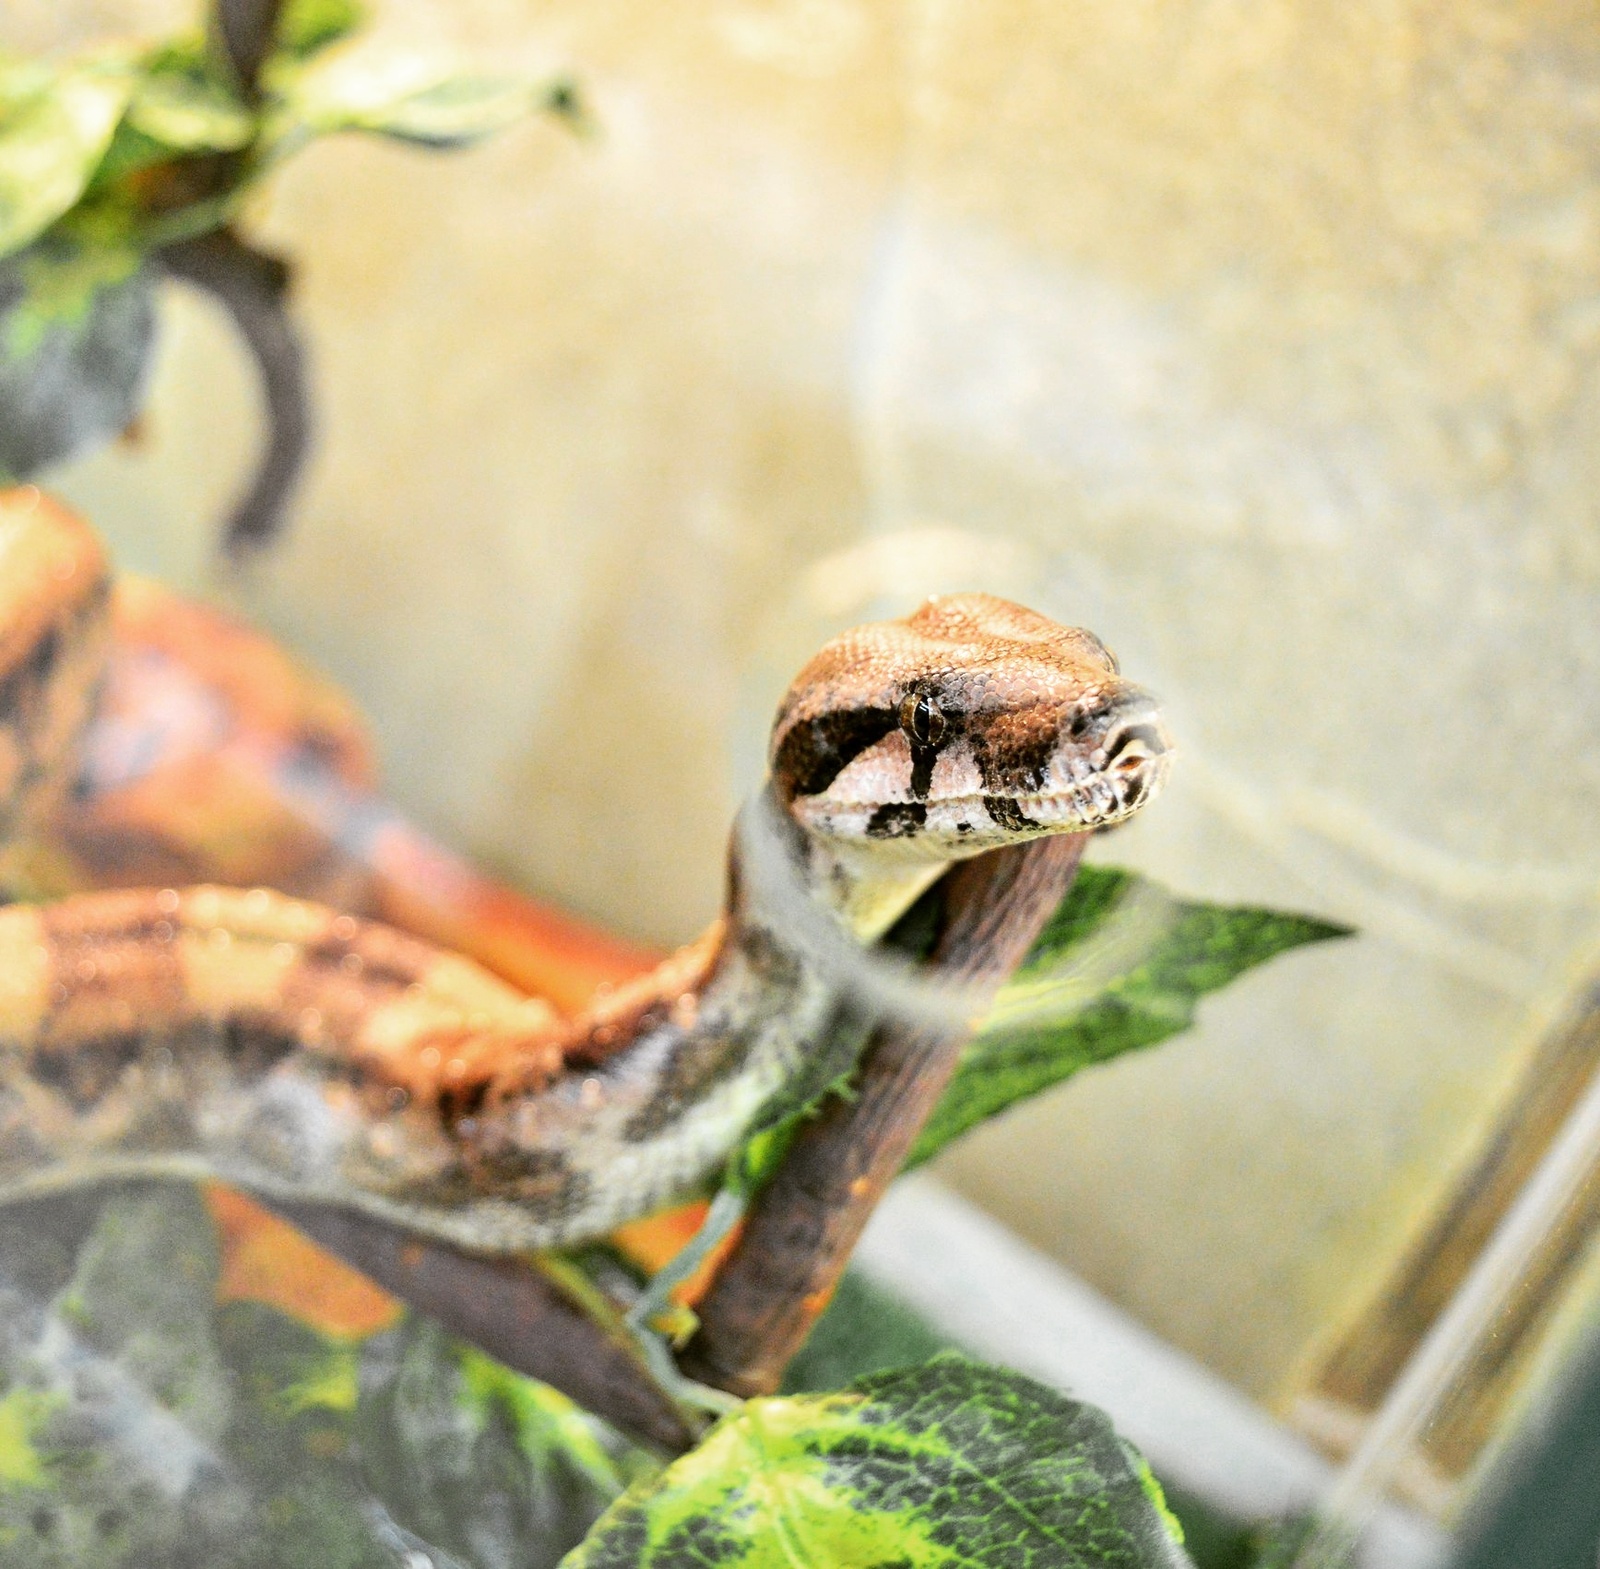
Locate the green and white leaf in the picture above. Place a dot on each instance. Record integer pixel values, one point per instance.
(469, 1457)
(951, 1465)
(188, 114)
(1121, 965)
(55, 126)
(307, 26)
(407, 100)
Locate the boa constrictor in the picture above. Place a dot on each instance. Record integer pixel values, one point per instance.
(312, 1056)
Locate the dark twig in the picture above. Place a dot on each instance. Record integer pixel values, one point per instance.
(252, 286)
(804, 1225)
(244, 31)
(510, 1309)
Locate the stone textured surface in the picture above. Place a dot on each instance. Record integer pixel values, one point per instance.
(1263, 339)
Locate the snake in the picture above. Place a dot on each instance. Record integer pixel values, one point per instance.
(315, 1057)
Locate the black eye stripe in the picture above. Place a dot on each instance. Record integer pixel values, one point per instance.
(927, 727)
(816, 751)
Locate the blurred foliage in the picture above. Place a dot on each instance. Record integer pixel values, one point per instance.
(142, 1423)
(112, 155)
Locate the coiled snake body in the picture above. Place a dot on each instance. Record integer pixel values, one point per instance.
(316, 1057)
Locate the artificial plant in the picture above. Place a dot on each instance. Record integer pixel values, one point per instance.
(131, 162)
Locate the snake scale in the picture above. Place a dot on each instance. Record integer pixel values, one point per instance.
(313, 1056)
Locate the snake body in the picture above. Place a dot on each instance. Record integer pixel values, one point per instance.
(318, 1057)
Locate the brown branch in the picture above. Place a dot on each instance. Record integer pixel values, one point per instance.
(253, 288)
(244, 31)
(804, 1225)
(506, 1306)
(800, 1231)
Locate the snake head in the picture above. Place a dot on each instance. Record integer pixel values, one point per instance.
(970, 724)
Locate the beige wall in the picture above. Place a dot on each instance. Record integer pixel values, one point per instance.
(1261, 338)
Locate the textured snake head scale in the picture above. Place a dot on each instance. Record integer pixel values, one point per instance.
(969, 724)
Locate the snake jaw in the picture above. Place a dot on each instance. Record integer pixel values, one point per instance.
(958, 826)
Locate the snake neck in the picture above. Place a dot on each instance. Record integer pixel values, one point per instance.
(797, 876)
(758, 1016)
(289, 1050)
(866, 897)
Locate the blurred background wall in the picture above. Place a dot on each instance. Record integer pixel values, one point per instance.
(1263, 339)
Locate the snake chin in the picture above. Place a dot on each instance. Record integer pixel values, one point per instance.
(956, 827)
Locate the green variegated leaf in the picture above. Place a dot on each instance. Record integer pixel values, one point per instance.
(55, 127)
(949, 1464)
(456, 112)
(409, 103)
(189, 114)
(77, 325)
(22, 79)
(181, 59)
(490, 1467)
(1121, 965)
(144, 1423)
(306, 26)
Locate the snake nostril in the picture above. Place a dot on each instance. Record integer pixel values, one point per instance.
(1133, 746)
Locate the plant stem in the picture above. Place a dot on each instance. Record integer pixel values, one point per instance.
(805, 1223)
(252, 287)
(243, 31)
(510, 1308)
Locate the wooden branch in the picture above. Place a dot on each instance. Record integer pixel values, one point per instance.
(804, 1225)
(509, 1308)
(800, 1231)
(253, 288)
(244, 31)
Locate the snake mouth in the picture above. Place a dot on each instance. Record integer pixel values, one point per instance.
(1125, 771)
(1096, 802)
(960, 825)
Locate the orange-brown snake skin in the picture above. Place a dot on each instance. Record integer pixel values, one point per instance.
(312, 1056)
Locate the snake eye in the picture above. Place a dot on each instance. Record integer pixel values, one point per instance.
(922, 719)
